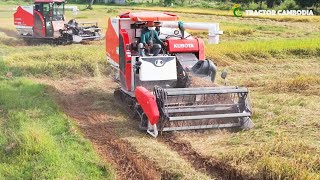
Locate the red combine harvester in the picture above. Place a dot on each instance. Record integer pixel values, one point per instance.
(158, 88)
(45, 21)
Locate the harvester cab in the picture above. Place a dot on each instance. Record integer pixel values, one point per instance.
(158, 88)
(45, 20)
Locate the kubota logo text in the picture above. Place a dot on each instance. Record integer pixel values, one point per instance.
(183, 46)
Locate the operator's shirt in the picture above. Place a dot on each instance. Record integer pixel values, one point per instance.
(146, 37)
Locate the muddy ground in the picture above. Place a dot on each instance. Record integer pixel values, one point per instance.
(80, 99)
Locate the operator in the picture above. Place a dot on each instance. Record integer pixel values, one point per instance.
(150, 40)
(157, 25)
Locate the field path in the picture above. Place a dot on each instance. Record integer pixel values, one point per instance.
(79, 99)
(79, 104)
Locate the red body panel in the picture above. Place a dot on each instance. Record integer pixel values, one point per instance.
(149, 16)
(23, 17)
(201, 49)
(127, 56)
(39, 32)
(124, 15)
(148, 103)
(182, 45)
(112, 43)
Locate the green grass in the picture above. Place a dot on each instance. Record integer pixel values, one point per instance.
(13, 2)
(284, 144)
(278, 61)
(38, 141)
(53, 61)
(259, 51)
(216, 12)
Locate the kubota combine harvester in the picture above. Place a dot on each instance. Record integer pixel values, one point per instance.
(46, 21)
(158, 87)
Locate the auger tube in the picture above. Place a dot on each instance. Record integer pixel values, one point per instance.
(213, 28)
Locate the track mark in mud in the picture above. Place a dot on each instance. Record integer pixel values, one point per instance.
(214, 168)
(97, 125)
(129, 164)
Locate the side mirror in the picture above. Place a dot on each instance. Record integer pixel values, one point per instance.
(224, 75)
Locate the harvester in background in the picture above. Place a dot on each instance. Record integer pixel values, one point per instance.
(45, 20)
(160, 89)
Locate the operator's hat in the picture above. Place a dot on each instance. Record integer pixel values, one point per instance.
(157, 23)
(153, 23)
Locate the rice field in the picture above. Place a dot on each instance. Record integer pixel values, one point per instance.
(277, 58)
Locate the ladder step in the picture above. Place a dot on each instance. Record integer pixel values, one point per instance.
(199, 109)
(202, 88)
(206, 91)
(174, 106)
(201, 127)
(212, 116)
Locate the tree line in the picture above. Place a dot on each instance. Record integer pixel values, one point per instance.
(272, 3)
(223, 4)
(269, 3)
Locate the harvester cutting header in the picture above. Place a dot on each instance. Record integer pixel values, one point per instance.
(156, 61)
(45, 20)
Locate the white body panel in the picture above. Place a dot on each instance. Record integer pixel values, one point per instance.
(115, 25)
(158, 70)
(164, 32)
(213, 29)
(29, 9)
(57, 26)
(25, 30)
(125, 23)
(76, 39)
(115, 28)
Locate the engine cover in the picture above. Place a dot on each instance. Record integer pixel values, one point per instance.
(182, 45)
(157, 68)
